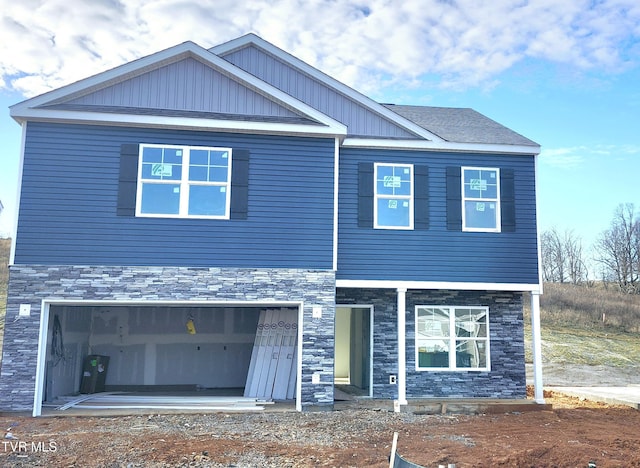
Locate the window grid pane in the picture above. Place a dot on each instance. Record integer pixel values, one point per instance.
(452, 338)
(480, 199)
(394, 195)
(209, 166)
(161, 164)
(187, 181)
(207, 200)
(160, 198)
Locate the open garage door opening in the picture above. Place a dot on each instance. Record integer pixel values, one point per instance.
(180, 350)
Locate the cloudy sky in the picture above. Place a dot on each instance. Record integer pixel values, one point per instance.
(563, 73)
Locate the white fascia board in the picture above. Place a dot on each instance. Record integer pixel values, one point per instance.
(336, 179)
(24, 110)
(431, 285)
(62, 116)
(169, 302)
(252, 39)
(448, 146)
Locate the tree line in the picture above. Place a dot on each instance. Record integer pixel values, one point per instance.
(615, 254)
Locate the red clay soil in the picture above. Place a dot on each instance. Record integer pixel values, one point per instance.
(574, 434)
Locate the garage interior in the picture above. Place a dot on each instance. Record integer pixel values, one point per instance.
(174, 351)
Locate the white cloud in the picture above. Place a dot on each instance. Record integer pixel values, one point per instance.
(564, 158)
(47, 43)
(575, 156)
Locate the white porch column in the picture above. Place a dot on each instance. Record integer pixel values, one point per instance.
(536, 340)
(402, 352)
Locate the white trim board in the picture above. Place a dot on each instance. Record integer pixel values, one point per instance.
(336, 181)
(177, 303)
(462, 286)
(424, 145)
(188, 123)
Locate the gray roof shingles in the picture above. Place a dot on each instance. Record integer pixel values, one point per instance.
(460, 125)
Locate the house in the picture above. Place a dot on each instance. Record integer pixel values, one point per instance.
(234, 218)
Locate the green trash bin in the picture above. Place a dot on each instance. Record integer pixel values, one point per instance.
(94, 373)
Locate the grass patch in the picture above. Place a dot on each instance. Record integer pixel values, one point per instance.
(575, 331)
(590, 347)
(601, 307)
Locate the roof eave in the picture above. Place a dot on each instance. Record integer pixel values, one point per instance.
(448, 146)
(187, 123)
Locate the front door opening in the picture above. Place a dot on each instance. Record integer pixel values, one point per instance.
(352, 353)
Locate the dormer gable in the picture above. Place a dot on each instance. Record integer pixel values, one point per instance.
(363, 116)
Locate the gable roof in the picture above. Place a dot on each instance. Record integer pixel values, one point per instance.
(80, 101)
(266, 101)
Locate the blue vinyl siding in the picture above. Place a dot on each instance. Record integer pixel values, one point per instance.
(69, 198)
(437, 254)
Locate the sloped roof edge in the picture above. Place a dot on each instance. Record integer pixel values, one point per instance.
(257, 41)
(446, 146)
(461, 125)
(33, 107)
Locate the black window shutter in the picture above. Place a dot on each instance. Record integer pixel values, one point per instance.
(507, 200)
(421, 197)
(128, 180)
(454, 199)
(365, 194)
(240, 184)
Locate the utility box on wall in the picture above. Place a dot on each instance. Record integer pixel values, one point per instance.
(94, 374)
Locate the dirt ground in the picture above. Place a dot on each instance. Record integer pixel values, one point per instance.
(574, 434)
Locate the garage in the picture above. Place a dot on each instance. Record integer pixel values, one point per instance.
(244, 350)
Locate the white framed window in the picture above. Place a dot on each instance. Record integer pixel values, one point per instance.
(480, 199)
(452, 338)
(184, 181)
(393, 196)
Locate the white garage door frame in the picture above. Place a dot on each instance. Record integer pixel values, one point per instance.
(44, 327)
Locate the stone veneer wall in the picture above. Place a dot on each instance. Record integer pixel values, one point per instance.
(31, 284)
(507, 378)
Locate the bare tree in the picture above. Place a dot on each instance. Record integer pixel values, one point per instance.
(562, 257)
(553, 260)
(576, 266)
(618, 249)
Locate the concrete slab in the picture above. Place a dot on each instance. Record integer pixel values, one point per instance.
(628, 395)
(447, 405)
